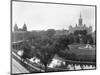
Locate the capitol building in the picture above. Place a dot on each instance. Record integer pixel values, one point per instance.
(80, 26)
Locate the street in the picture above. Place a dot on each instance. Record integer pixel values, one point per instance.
(18, 68)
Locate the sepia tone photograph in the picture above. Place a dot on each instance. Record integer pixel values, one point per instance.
(52, 37)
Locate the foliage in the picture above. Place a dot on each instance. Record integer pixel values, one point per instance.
(82, 32)
(46, 48)
(27, 50)
(81, 36)
(71, 38)
(61, 42)
(89, 39)
(47, 45)
(44, 51)
(50, 32)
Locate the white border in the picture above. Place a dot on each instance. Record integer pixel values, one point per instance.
(5, 37)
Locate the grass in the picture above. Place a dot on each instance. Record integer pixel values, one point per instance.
(82, 54)
(76, 50)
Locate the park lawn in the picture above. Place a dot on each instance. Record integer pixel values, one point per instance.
(87, 51)
(82, 54)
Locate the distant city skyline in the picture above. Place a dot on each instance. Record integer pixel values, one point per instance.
(40, 16)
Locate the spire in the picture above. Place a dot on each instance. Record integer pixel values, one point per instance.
(80, 15)
(24, 27)
(15, 27)
(80, 20)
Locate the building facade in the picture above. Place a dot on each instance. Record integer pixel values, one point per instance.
(19, 33)
(80, 26)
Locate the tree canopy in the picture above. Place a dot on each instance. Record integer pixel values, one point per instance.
(46, 48)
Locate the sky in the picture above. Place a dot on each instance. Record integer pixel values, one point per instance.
(42, 16)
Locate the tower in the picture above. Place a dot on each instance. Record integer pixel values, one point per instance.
(80, 20)
(15, 27)
(24, 27)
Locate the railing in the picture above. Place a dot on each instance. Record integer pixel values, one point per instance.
(40, 68)
(27, 65)
(80, 62)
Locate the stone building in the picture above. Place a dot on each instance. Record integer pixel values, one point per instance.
(80, 26)
(19, 33)
(16, 29)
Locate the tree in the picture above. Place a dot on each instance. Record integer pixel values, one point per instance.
(89, 39)
(47, 48)
(76, 39)
(61, 42)
(71, 38)
(81, 32)
(45, 51)
(27, 50)
(50, 32)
